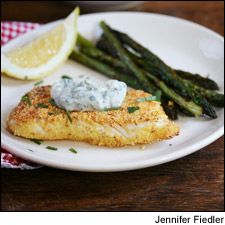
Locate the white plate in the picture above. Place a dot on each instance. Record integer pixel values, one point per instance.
(180, 43)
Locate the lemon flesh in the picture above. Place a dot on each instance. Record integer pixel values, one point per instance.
(44, 54)
(40, 51)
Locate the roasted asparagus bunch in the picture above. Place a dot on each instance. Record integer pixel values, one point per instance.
(118, 56)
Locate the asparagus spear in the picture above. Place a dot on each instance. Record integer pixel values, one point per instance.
(104, 68)
(169, 109)
(105, 46)
(168, 75)
(89, 49)
(98, 54)
(124, 57)
(213, 97)
(199, 80)
(198, 94)
(109, 71)
(184, 112)
(188, 105)
(82, 41)
(95, 53)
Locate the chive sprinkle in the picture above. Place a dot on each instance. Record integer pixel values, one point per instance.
(73, 150)
(132, 109)
(156, 97)
(37, 141)
(52, 148)
(39, 82)
(41, 105)
(30, 150)
(68, 115)
(26, 99)
(52, 102)
(65, 77)
(147, 99)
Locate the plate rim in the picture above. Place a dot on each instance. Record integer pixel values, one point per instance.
(197, 25)
(127, 166)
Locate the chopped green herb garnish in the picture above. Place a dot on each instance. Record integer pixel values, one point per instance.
(132, 109)
(156, 97)
(73, 150)
(26, 99)
(30, 150)
(111, 109)
(41, 105)
(51, 113)
(39, 82)
(68, 115)
(65, 77)
(147, 99)
(37, 141)
(52, 148)
(52, 102)
(25, 78)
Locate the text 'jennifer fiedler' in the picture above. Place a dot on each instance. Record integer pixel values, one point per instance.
(197, 219)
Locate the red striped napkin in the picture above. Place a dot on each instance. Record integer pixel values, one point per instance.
(9, 31)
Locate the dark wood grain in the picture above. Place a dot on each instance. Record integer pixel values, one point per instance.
(193, 183)
(208, 13)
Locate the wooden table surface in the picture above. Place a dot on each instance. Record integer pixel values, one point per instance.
(193, 183)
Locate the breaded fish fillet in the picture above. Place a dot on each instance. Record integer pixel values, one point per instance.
(39, 119)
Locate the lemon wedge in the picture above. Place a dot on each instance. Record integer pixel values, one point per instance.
(43, 55)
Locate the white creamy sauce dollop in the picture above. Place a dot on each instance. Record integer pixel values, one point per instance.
(86, 94)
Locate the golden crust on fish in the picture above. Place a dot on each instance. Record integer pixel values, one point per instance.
(106, 128)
